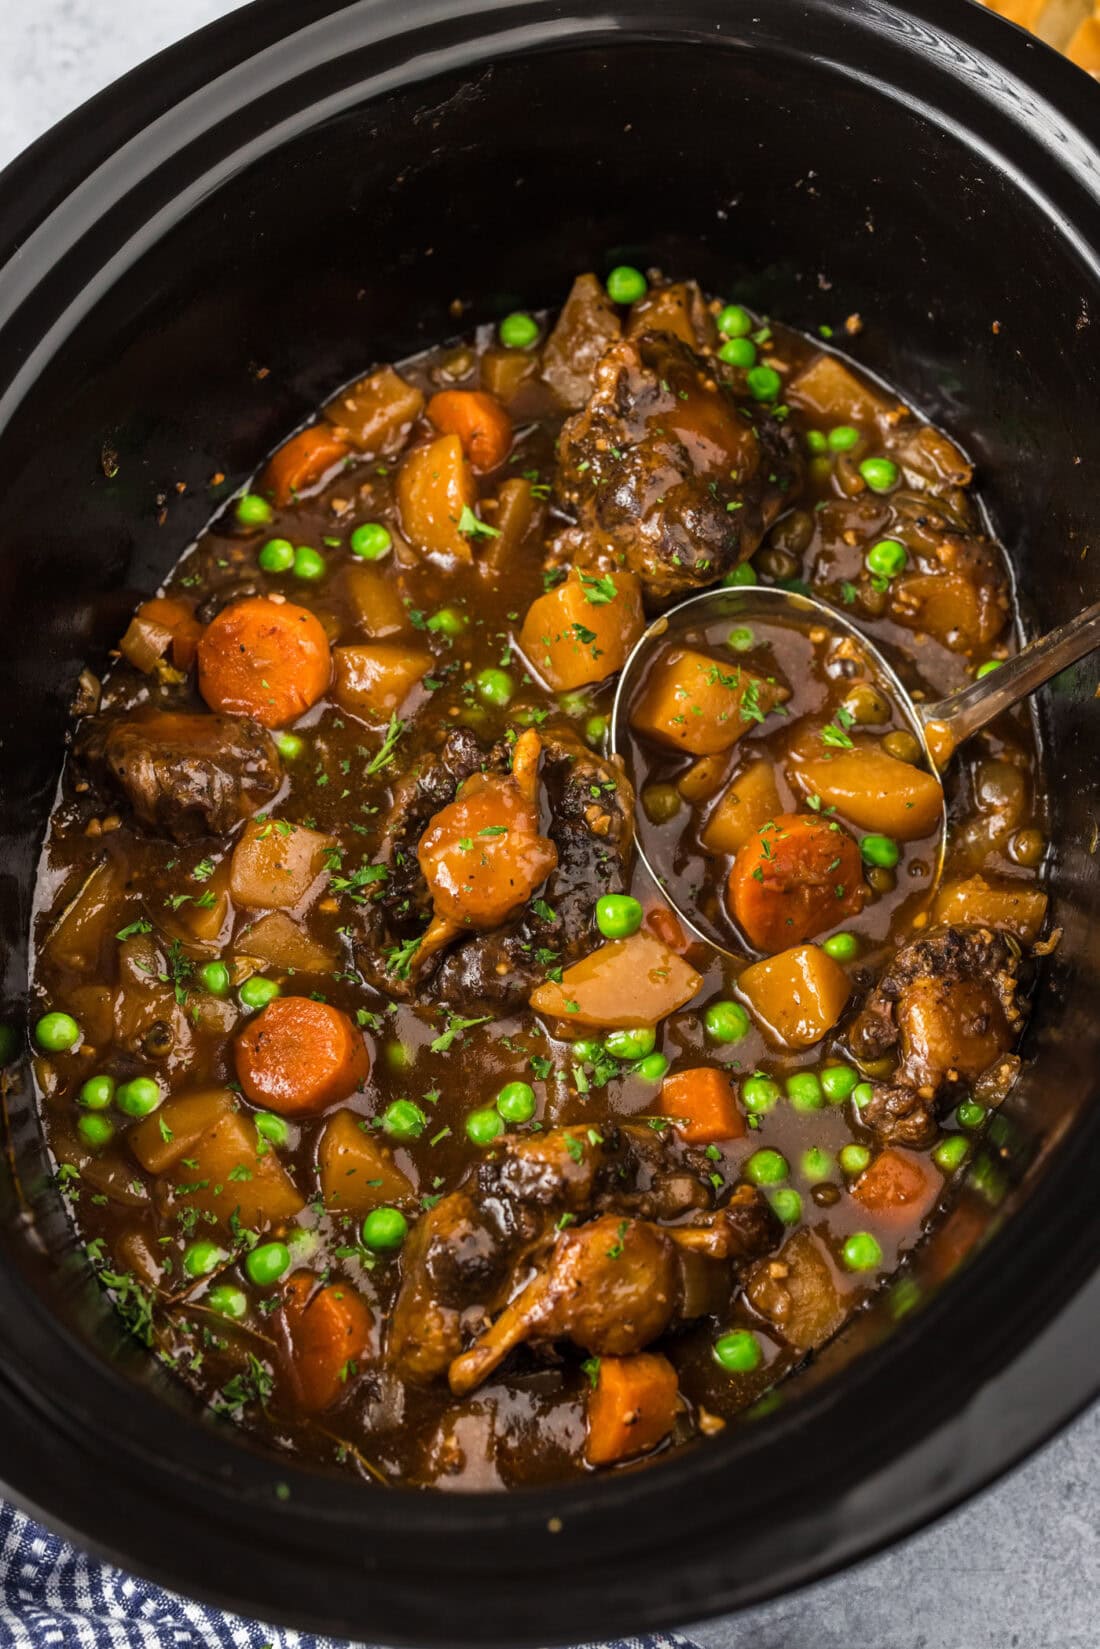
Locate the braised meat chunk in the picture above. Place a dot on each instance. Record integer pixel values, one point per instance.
(666, 470)
(948, 1004)
(184, 774)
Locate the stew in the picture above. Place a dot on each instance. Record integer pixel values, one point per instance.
(394, 1107)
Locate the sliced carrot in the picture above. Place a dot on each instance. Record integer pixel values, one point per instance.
(479, 421)
(894, 1184)
(263, 658)
(302, 461)
(632, 1408)
(703, 1105)
(177, 617)
(795, 877)
(300, 1055)
(326, 1329)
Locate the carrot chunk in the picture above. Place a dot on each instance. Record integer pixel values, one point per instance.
(180, 621)
(703, 1105)
(795, 877)
(632, 1407)
(325, 1330)
(895, 1184)
(266, 659)
(479, 421)
(301, 462)
(299, 1055)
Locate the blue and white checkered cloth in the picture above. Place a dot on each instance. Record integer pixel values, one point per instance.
(55, 1597)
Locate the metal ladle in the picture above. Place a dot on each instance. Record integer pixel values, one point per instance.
(940, 727)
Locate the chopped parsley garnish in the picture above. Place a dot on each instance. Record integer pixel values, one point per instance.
(471, 527)
(385, 755)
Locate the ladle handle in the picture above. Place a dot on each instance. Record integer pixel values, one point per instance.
(953, 719)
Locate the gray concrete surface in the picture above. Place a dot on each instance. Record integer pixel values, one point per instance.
(1018, 1568)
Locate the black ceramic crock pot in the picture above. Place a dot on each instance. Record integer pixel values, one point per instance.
(305, 188)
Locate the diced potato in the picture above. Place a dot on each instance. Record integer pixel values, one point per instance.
(191, 921)
(1084, 47)
(374, 682)
(704, 778)
(572, 636)
(434, 485)
(357, 1171)
(281, 942)
(587, 325)
(379, 610)
(797, 996)
(505, 371)
(1012, 905)
(830, 391)
(796, 1291)
(627, 982)
(956, 610)
(701, 704)
(875, 791)
(148, 1019)
(213, 1159)
(751, 800)
(517, 516)
(376, 414)
(77, 936)
(275, 863)
(678, 308)
(93, 1007)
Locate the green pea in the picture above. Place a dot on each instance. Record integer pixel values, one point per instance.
(854, 1158)
(816, 1165)
(518, 330)
(97, 1093)
(740, 576)
(57, 1032)
(788, 1205)
(385, 1229)
(861, 1251)
(587, 1050)
(302, 1243)
(516, 1102)
(618, 915)
(738, 352)
(764, 383)
(272, 1128)
(862, 1095)
(950, 1152)
(734, 321)
(257, 992)
(625, 284)
(882, 851)
(738, 1352)
(574, 704)
(837, 1082)
(403, 1120)
(740, 639)
(804, 1091)
(817, 441)
(880, 474)
(842, 947)
(371, 541)
(485, 1125)
(970, 1114)
(308, 563)
(595, 729)
(289, 745)
(653, 1068)
(277, 555)
(95, 1130)
(767, 1167)
(987, 668)
(494, 686)
(843, 438)
(759, 1094)
(447, 622)
(632, 1044)
(203, 1257)
(214, 977)
(887, 558)
(227, 1301)
(398, 1056)
(267, 1263)
(726, 1022)
(253, 511)
(140, 1097)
